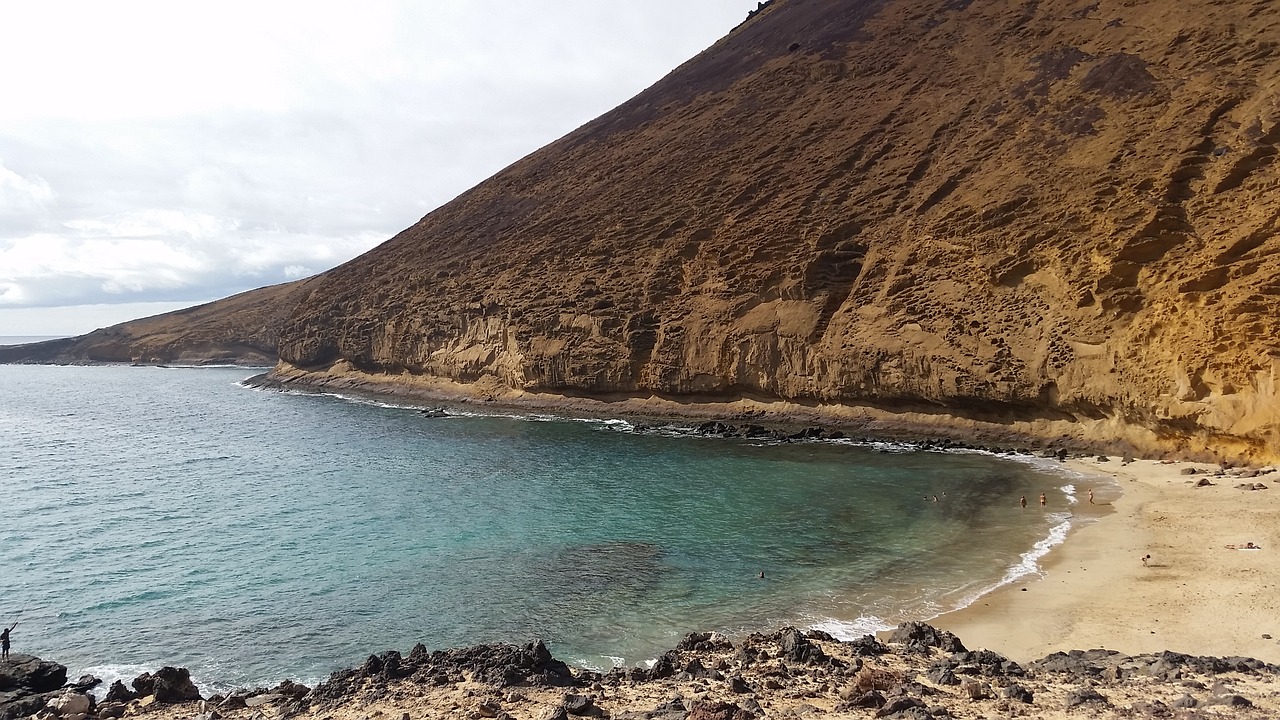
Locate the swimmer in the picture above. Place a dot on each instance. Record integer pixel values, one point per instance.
(1023, 501)
(1043, 500)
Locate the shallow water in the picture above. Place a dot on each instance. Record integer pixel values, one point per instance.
(172, 516)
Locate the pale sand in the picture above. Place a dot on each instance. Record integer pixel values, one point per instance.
(1195, 595)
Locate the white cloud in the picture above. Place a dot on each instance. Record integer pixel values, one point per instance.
(177, 152)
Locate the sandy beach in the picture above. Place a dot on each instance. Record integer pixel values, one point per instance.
(1196, 594)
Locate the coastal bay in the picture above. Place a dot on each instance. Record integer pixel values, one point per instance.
(1194, 595)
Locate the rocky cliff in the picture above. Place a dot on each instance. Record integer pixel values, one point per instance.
(1055, 218)
(1057, 213)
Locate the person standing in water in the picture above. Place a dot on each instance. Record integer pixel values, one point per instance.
(1043, 499)
(4, 641)
(1023, 501)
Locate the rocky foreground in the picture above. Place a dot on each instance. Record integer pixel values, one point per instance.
(917, 672)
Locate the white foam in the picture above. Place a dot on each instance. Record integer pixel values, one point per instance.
(1028, 564)
(108, 674)
(852, 629)
(1070, 491)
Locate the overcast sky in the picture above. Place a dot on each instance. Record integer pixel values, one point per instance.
(155, 155)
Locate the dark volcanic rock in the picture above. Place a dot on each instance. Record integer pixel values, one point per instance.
(173, 685)
(119, 693)
(1083, 696)
(27, 683)
(920, 637)
(499, 665)
(866, 646)
(900, 705)
(797, 648)
(32, 674)
(704, 642)
(1014, 691)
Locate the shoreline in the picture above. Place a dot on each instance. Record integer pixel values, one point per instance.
(999, 425)
(1194, 595)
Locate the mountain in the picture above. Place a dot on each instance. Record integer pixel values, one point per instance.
(1051, 219)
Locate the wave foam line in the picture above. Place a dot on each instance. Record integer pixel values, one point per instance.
(1028, 564)
(852, 629)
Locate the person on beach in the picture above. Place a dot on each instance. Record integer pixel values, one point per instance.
(1145, 558)
(4, 641)
(1090, 496)
(1023, 501)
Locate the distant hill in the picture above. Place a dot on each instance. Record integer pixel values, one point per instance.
(242, 330)
(1056, 217)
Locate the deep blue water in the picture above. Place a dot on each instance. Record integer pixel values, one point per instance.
(172, 516)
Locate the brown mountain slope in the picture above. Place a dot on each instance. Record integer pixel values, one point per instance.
(242, 329)
(1046, 214)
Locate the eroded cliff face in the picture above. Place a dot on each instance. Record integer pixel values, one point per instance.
(997, 209)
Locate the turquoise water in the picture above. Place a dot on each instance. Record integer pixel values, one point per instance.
(173, 516)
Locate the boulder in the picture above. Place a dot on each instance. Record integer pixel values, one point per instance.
(84, 684)
(118, 693)
(581, 705)
(70, 703)
(111, 710)
(291, 689)
(900, 705)
(15, 705)
(797, 648)
(1014, 691)
(30, 673)
(173, 685)
(920, 637)
(1085, 695)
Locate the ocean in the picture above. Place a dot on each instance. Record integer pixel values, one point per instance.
(174, 516)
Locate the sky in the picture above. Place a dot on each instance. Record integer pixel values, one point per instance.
(156, 155)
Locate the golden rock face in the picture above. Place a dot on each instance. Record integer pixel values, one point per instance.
(994, 208)
(1050, 212)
